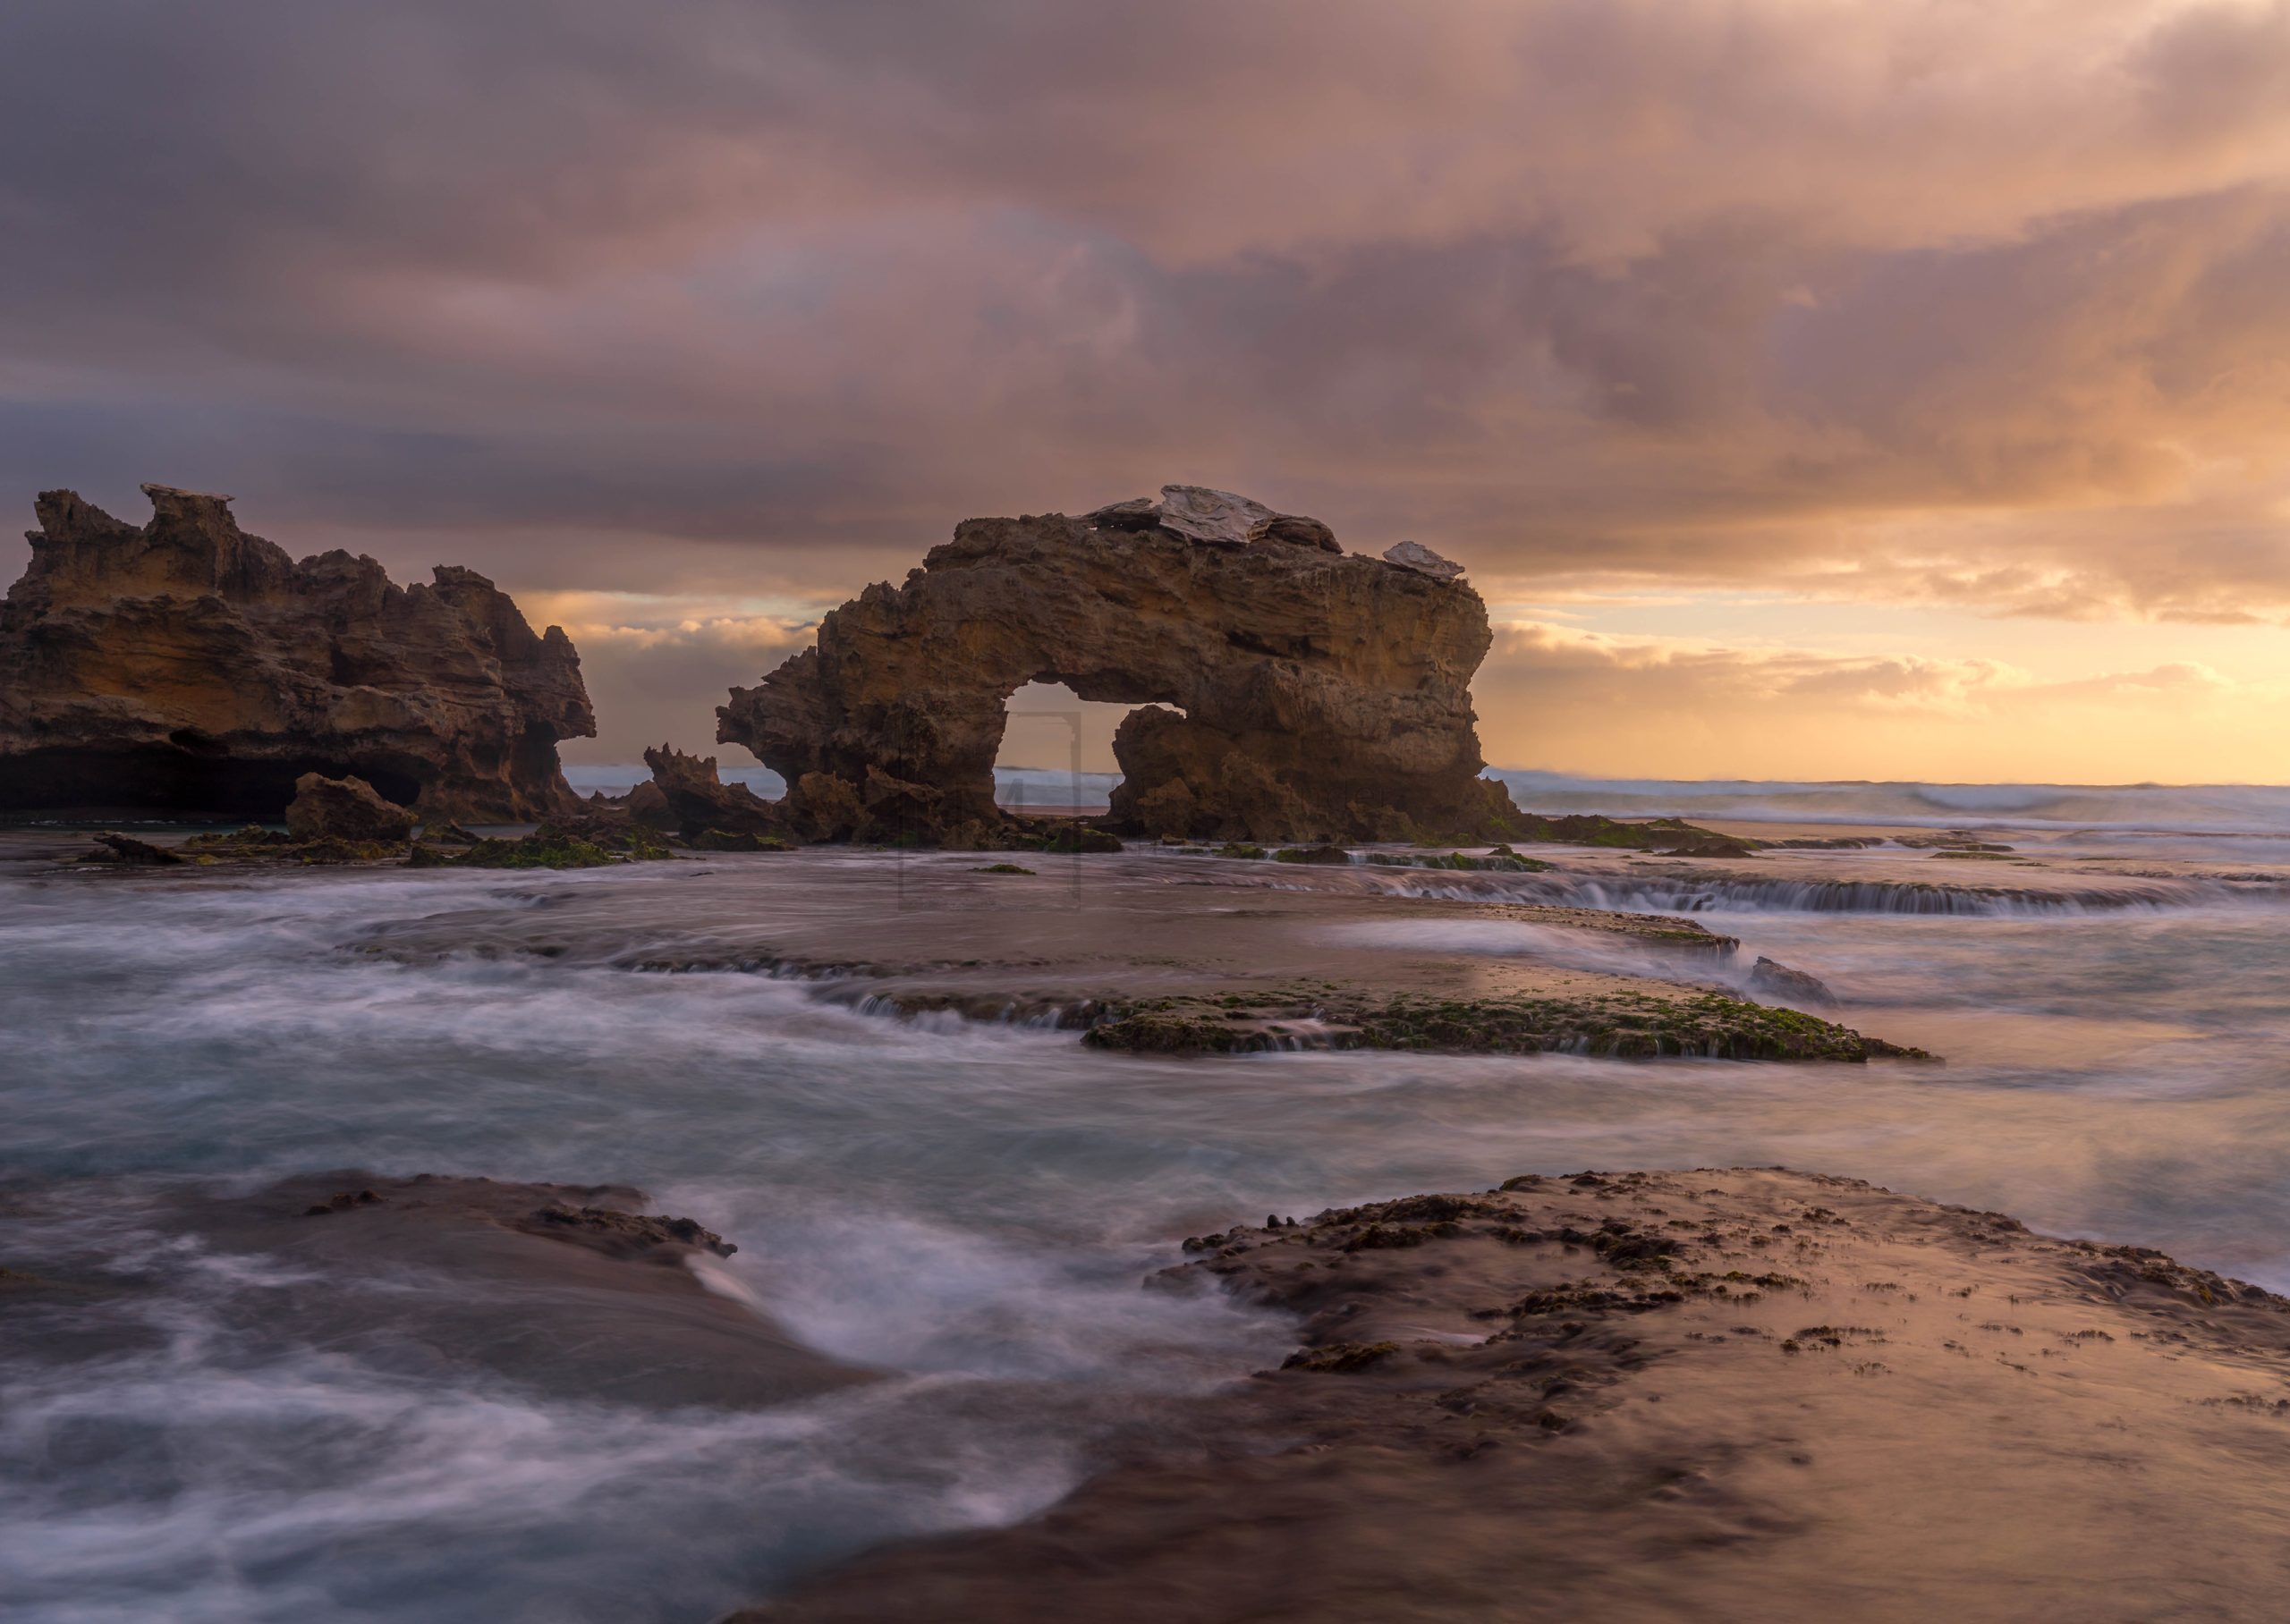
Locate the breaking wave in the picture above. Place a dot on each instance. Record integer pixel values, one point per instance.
(2262, 809)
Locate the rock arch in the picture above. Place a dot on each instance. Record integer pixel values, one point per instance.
(1324, 694)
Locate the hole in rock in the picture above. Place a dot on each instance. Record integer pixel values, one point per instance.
(1057, 753)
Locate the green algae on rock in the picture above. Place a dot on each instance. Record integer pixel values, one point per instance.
(1502, 859)
(1620, 1025)
(553, 847)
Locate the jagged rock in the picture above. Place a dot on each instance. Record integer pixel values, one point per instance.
(191, 668)
(343, 809)
(699, 801)
(1415, 555)
(1778, 983)
(647, 804)
(1324, 696)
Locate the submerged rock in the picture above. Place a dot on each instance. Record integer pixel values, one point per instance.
(1320, 696)
(192, 670)
(1775, 981)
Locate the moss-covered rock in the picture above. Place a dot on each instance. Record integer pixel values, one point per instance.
(1624, 1026)
(1494, 862)
(1184, 1028)
(740, 840)
(535, 852)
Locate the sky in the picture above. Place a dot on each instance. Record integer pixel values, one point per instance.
(1813, 388)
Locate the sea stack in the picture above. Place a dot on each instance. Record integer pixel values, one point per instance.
(1318, 695)
(188, 669)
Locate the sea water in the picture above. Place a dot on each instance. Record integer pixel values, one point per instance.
(967, 1208)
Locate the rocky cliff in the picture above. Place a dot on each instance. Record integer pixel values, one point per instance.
(188, 669)
(1318, 695)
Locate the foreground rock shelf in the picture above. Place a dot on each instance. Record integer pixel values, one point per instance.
(1738, 1394)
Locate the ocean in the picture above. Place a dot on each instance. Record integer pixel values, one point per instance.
(965, 1207)
(2247, 810)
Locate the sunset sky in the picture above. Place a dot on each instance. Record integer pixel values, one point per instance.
(1814, 388)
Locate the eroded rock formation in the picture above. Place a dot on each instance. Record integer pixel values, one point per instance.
(343, 809)
(696, 799)
(189, 669)
(1319, 695)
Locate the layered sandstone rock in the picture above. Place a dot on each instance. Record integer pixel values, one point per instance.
(189, 669)
(1319, 695)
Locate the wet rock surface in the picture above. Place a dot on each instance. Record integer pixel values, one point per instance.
(189, 669)
(125, 851)
(1320, 695)
(571, 1290)
(1182, 956)
(1737, 1393)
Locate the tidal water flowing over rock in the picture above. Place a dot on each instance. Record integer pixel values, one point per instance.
(1732, 1393)
(1318, 695)
(189, 669)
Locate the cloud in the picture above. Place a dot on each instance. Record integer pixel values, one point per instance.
(1952, 303)
(1558, 695)
(665, 678)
